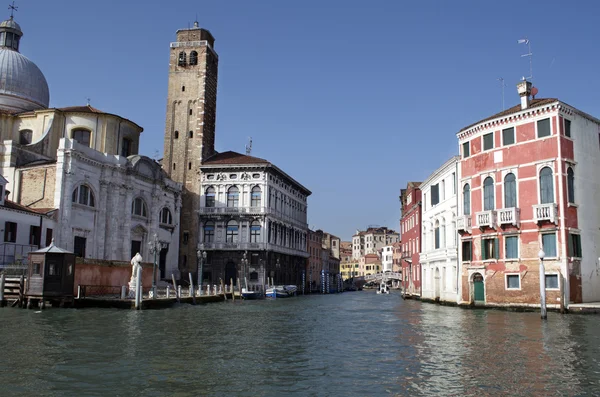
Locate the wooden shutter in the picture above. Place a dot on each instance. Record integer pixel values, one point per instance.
(570, 251)
(496, 249)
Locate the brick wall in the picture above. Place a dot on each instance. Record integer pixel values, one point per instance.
(37, 187)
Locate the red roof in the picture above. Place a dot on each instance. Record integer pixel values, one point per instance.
(232, 158)
(38, 211)
(534, 103)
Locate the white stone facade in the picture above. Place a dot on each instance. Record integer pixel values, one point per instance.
(372, 240)
(438, 257)
(387, 258)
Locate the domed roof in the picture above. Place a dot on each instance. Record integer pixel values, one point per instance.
(11, 24)
(22, 84)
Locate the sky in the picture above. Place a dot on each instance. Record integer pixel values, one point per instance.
(353, 99)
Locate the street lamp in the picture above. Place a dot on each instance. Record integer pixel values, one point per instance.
(154, 246)
(201, 258)
(541, 255)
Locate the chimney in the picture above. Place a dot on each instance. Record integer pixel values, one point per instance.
(524, 89)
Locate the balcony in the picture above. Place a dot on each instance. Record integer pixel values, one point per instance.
(508, 216)
(407, 255)
(545, 212)
(463, 223)
(232, 210)
(232, 246)
(486, 219)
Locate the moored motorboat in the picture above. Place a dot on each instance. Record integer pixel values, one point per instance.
(251, 295)
(281, 291)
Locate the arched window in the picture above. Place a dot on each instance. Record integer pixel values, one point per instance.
(209, 197)
(233, 197)
(176, 134)
(255, 197)
(436, 238)
(232, 232)
(25, 137)
(209, 232)
(182, 59)
(165, 217)
(510, 191)
(443, 233)
(138, 207)
(546, 186)
(488, 194)
(83, 195)
(255, 232)
(571, 185)
(467, 199)
(193, 58)
(82, 136)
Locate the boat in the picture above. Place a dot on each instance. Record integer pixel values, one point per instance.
(383, 288)
(251, 295)
(281, 291)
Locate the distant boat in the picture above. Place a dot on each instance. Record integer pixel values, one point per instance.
(383, 288)
(251, 295)
(281, 291)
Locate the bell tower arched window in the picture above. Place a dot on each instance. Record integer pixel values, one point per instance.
(193, 58)
(182, 59)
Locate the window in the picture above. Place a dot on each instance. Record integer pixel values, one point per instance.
(54, 268)
(233, 197)
(186, 239)
(165, 216)
(255, 197)
(511, 247)
(190, 165)
(546, 186)
(182, 88)
(488, 141)
(210, 197)
(232, 232)
(467, 199)
(510, 191)
(454, 183)
(513, 281)
(551, 281)
(49, 233)
(10, 232)
(436, 231)
(35, 235)
(465, 150)
(138, 207)
(25, 137)
(567, 129)
(126, 147)
(191, 134)
(488, 194)
(435, 194)
(571, 185)
(176, 134)
(543, 128)
(79, 246)
(190, 112)
(549, 244)
(174, 166)
(508, 136)
(574, 245)
(182, 59)
(81, 136)
(467, 251)
(255, 232)
(193, 58)
(489, 248)
(209, 232)
(83, 195)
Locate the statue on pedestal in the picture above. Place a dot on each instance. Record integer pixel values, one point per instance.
(136, 263)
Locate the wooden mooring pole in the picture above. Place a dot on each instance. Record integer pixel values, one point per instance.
(2, 303)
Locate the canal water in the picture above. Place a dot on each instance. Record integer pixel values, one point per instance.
(351, 344)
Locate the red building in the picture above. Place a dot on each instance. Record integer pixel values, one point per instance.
(528, 189)
(410, 226)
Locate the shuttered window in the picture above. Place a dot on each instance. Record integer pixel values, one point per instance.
(510, 191)
(488, 194)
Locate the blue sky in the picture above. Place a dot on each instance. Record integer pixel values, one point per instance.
(352, 98)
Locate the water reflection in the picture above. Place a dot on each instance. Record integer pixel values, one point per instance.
(353, 344)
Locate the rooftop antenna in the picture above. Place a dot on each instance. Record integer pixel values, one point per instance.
(529, 54)
(12, 7)
(88, 101)
(249, 146)
(501, 80)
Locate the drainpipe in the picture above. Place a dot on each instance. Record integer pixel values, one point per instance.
(41, 228)
(457, 236)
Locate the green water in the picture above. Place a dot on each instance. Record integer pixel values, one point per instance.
(351, 344)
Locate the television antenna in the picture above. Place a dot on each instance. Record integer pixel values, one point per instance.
(501, 80)
(249, 146)
(529, 54)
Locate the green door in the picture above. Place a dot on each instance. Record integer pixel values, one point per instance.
(478, 288)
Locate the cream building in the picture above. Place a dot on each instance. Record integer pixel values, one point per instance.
(438, 257)
(83, 163)
(370, 241)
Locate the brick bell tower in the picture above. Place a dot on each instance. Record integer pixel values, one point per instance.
(190, 128)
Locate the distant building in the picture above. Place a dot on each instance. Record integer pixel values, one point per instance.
(410, 224)
(315, 262)
(371, 240)
(397, 257)
(387, 258)
(438, 256)
(529, 182)
(370, 264)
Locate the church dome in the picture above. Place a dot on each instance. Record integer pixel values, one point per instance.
(23, 86)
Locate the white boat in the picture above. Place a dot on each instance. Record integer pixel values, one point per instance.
(383, 289)
(251, 295)
(281, 291)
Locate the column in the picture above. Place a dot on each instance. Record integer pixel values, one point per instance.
(101, 224)
(66, 239)
(126, 247)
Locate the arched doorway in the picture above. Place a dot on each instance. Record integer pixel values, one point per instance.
(230, 273)
(478, 288)
(436, 281)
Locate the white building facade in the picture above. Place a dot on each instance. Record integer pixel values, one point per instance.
(438, 255)
(387, 258)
